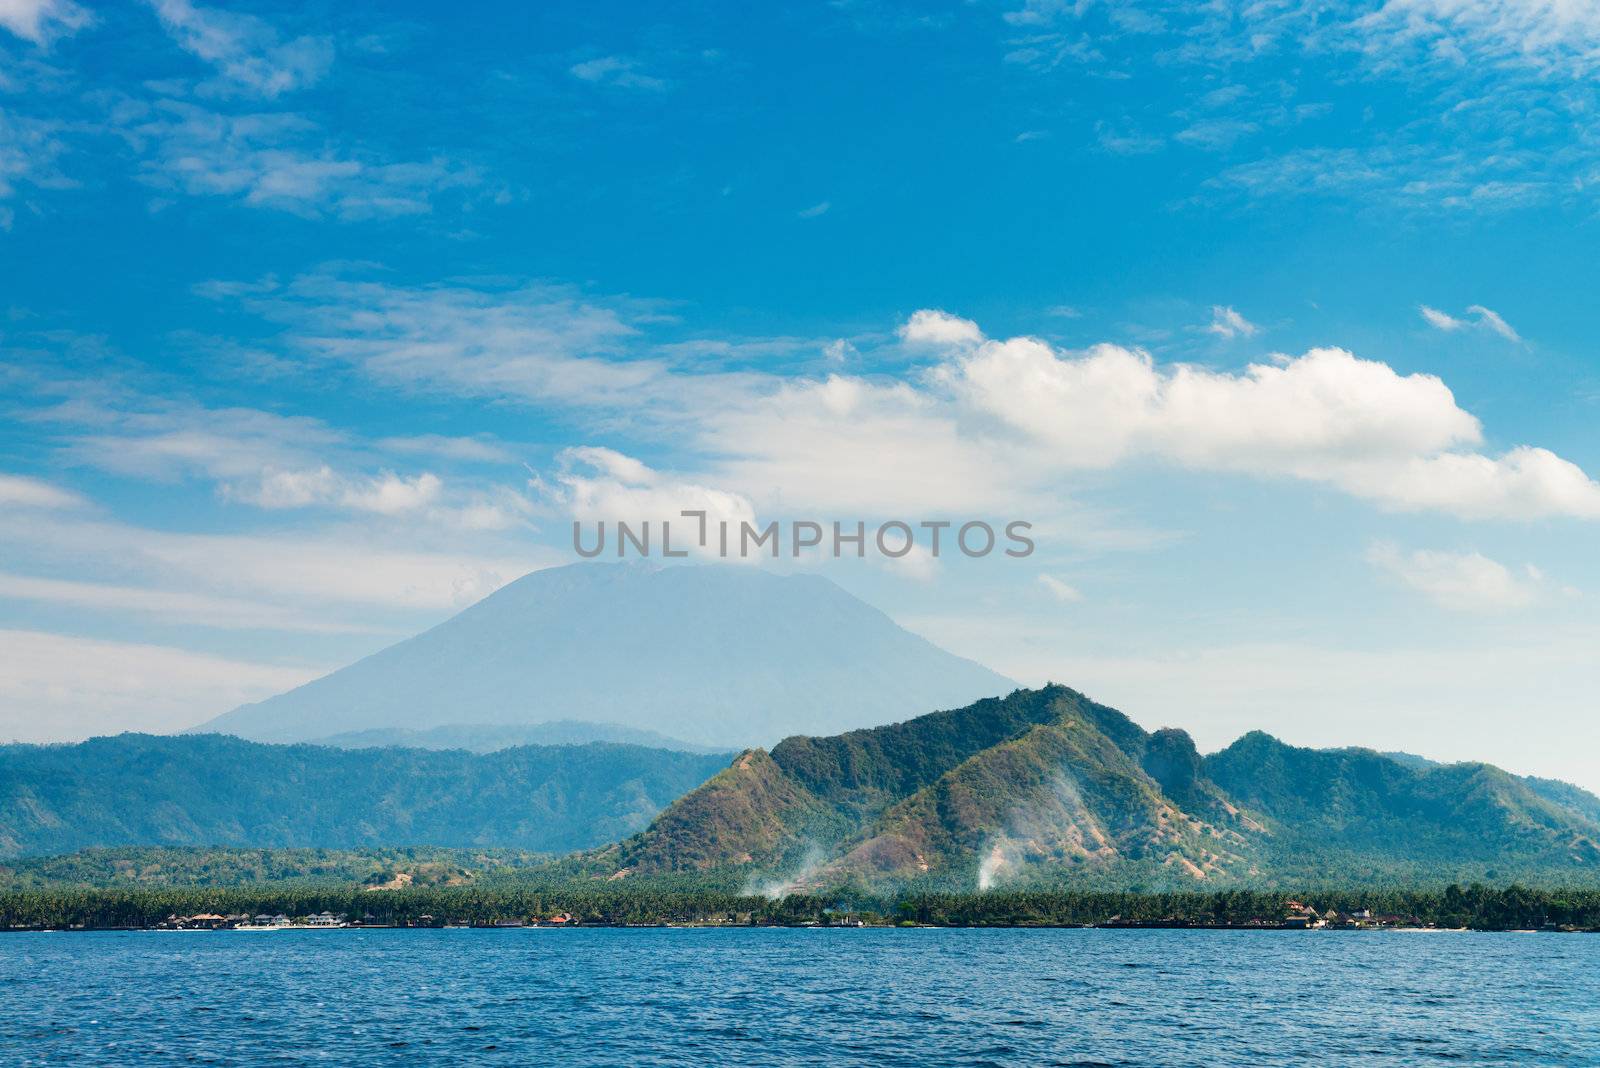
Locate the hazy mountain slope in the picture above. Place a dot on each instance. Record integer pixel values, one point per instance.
(1045, 787)
(1565, 795)
(717, 655)
(488, 738)
(1362, 809)
(214, 790)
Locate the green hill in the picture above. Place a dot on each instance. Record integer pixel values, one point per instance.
(1046, 787)
(213, 790)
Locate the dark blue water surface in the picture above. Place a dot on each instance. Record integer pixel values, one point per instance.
(799, 997)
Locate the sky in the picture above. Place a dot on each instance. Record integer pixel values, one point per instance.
(319, 322)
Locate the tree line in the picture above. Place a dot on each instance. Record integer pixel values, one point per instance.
(1477, 907)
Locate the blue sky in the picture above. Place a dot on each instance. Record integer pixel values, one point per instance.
(1275, 319)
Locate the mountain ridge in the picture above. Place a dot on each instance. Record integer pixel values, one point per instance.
(1046, 787)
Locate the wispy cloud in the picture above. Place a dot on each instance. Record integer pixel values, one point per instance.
(1482, 318)
(278, 160)
(30, 149)
(815, 210)
(1228, 323)
(17, 491)
(1060, 590)
(1493, 321)
(248, 54)
(620, 71)
(41, 21)
(1469, 71)
(171, 606)
(55, 687)
(1459, 581)
(1544, 34)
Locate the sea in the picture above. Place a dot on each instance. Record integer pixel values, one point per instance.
(706, 996)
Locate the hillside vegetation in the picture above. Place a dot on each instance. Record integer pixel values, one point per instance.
(213, 790)
(1047, 788)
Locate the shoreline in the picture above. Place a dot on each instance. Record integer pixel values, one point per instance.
(509, 928)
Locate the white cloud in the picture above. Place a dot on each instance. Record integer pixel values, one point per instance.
(278, 160)
(273, 461)
(246, 51)
(1493, 322)
(932, 327)
(1108, 403)
(1061, 591)
(17, 491)
(1545, 33)
(384, 494)
(29, 150)
(620, 71)
(42, 20)
(1483, 318)
(839, 351)
(352, 568)
(851, 446)
(596, 484)
(1440, 320)
(1524, 483)
(478, 449)
(170, 606)
(540, 344)
(1326, 416)
(1228, 323)
(994, 425)
(814, 210)
(168, 440)
(1462, 582)
(54, 687)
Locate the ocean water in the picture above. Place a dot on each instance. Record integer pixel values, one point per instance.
(799, 997)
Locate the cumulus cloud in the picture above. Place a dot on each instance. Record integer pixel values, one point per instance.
(40, 21)
(1463, 582)
(1325, 416)
(600, 484)
(991, 425)
(1227, 323)
(245, 50)
(1523, 483)
(865, 447)
(1482, 317)
(932, 327)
